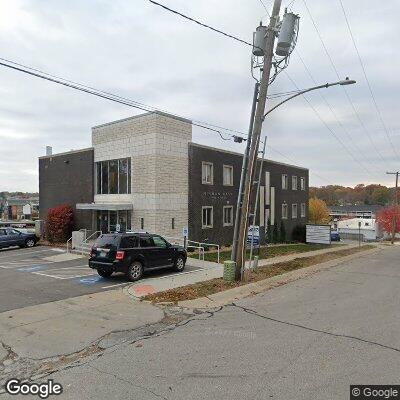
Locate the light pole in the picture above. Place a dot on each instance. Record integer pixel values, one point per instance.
(238, 228)
(345, 82)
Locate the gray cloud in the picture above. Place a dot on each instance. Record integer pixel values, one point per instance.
(139, 51)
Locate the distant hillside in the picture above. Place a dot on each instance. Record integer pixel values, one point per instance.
(335, 195)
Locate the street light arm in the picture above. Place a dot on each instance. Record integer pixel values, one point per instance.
(345, 82)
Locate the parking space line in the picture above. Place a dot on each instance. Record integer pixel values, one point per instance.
(117, 284)
(74, 269)
(61, 277)
(25, 264)
(25, 253)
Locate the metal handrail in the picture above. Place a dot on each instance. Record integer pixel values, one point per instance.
(70, 239)
(209, 244)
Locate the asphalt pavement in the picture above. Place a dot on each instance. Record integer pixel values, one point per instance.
(31, 276)
(308, 339)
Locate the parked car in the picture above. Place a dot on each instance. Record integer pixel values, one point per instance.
(335, 236)
(13, 237)
(134, 254)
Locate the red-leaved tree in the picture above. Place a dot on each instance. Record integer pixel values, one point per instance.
(386, 216)
(59, 224)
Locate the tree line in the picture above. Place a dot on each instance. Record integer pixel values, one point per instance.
(335, 195)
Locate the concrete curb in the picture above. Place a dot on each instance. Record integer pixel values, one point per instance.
(228, 296)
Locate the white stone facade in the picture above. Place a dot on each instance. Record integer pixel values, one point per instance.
(157, 144)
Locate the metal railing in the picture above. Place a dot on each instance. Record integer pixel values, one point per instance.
(201, 246)
(69, 241)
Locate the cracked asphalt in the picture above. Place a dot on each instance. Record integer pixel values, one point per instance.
(308, 339)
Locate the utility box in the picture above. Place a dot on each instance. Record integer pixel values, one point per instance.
(287, 34)
(259, 41)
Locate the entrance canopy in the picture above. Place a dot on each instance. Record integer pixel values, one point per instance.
(105, 206)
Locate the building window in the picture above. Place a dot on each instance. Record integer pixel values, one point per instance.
(284, 181)
(228, 215)
(302, 184)
(207, 173)
(303, 210)
(294, 211)
(294, 182)
(141, 223)
(207, 217)
(113, 176)
(284, 211)
(228, 175)
(173, 223)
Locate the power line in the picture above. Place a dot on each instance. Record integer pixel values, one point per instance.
(328, 127)
(332, 109)
(243, 41)
(201, 23)
(107, 95)
(338, 76)
(368, 82)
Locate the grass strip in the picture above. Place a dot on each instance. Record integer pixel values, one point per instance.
(269, 251)
(206, 288)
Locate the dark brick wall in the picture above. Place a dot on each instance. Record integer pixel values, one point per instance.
(67, 179)
(217, 195)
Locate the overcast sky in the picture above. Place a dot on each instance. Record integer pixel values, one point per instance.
(138, 50)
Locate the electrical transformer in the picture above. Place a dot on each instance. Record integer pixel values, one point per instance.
(287, 34)
(259, 41)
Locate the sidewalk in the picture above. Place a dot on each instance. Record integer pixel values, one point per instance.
(210, 270)
(68, 326)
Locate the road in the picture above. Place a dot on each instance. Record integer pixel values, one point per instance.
(44, 274)
(308, 339)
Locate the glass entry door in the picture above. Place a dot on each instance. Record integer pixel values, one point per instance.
(108, 221)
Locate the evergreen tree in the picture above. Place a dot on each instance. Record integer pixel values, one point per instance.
(275, 234)
(282, 236)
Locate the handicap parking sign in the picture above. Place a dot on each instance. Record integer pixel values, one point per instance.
(253, 235)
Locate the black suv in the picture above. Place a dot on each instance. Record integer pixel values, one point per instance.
(134, 253)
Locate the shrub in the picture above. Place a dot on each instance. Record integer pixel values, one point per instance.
(282, 236)
(299, 233)
(275, 234)
(59, 223)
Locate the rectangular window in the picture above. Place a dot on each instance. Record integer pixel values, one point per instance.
(113, 176)
(104, 177)
(228, 215)
(303, 210)
(294, 182)
(284, 181)
(141, 223)
(173, 223)
(302, 184)
(284, 211)
(207, 173)
(123, 175)
(207, 217)
(129, 175)
(294, 211)
(228, 175)
(98, 178)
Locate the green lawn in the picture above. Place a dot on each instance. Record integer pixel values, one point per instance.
(266, 252)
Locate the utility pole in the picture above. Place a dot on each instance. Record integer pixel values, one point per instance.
(240, 249)
(243, 174)
(396, 203)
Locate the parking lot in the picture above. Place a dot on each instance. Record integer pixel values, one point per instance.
(43, 274)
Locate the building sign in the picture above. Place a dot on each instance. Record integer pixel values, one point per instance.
(320, 234)
(253, 233)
